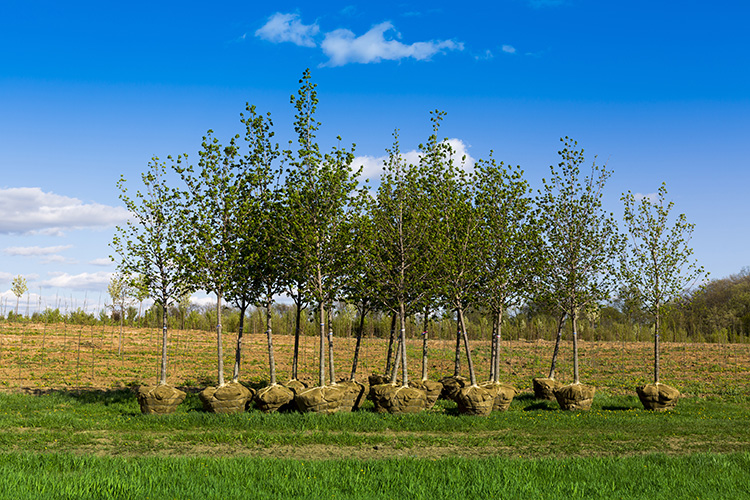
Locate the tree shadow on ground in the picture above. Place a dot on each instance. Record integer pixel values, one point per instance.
(530, 403)
(619, 408)
(104, 397)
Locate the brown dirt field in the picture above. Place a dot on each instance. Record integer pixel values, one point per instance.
(35, 357)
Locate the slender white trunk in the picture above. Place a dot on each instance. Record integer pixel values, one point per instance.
(219, 346)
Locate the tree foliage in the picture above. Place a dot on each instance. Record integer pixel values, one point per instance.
(581, 241)
(658, 265)
(151, 242)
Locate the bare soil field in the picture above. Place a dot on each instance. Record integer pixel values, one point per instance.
(35, 357)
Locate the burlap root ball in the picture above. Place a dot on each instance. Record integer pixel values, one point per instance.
(159, 400)
(227, 398)
(376, 379)
(544, 388)
(326, 399)
(399, 399)
(659, 397)
(575, 396)
(505, 395)
(451, 386)
(274, 398)
(354, 395)
(432, 388)
(476, 400)
(379, 394)
(295, 385)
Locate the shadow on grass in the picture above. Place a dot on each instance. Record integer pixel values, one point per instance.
(104, 397)
(529, 403)
(619, 408)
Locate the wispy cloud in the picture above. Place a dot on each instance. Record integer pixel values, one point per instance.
(35, 251)
(29, 210)
(342, 46)
(83, 281)
(288, 28)
(372, 166)
(103, 262)
(509, 49)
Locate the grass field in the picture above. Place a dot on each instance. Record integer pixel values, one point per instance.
(84, 437)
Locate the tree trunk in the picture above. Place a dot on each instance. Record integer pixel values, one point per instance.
(219, 346)
(389, 356)
(457, 358)
(402, 320)
(163, 375)
(576, 380)
(656, 346)
(396, 362)
(119, 344)
(360, 329)
(298, 315)
(493, 344)
(271, 362)
(472, 375)
(238, 350)
(557, 346)
(425, 334)
(498, 338)
(322, 347)
(330, 348)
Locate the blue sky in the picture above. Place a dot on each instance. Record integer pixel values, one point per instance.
(659, 91)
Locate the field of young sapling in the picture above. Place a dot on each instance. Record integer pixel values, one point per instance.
(39, 357)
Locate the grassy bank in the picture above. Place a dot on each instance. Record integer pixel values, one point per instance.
(32, 476)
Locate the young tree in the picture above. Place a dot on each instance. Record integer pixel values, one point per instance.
(401, 216)
(255, 249)
(658, 266)
(582, 244)
(150, 245)
(512, 260)
(209, 204)
(319, 197)
(119, 290)
(18, 287)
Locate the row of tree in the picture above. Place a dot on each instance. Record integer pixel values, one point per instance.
(251, 221)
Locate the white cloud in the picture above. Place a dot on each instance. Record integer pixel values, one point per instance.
(342, 46)
(35, 251)
(5, 277)
(509, 49)
(31, 210)
(83, 281)
(56, 259)
(486, 56)
(104, 262)
(288, 28)
(372, 166)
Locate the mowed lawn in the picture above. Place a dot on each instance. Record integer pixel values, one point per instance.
(96, 444)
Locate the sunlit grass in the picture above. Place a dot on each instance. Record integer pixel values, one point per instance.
(31, 476)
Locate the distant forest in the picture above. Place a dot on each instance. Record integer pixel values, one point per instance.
(717, 312)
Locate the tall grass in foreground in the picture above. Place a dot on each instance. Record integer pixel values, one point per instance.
(32, 476)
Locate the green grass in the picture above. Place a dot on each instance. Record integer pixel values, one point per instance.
(96, 444)
(109, 422)
(31, 476)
